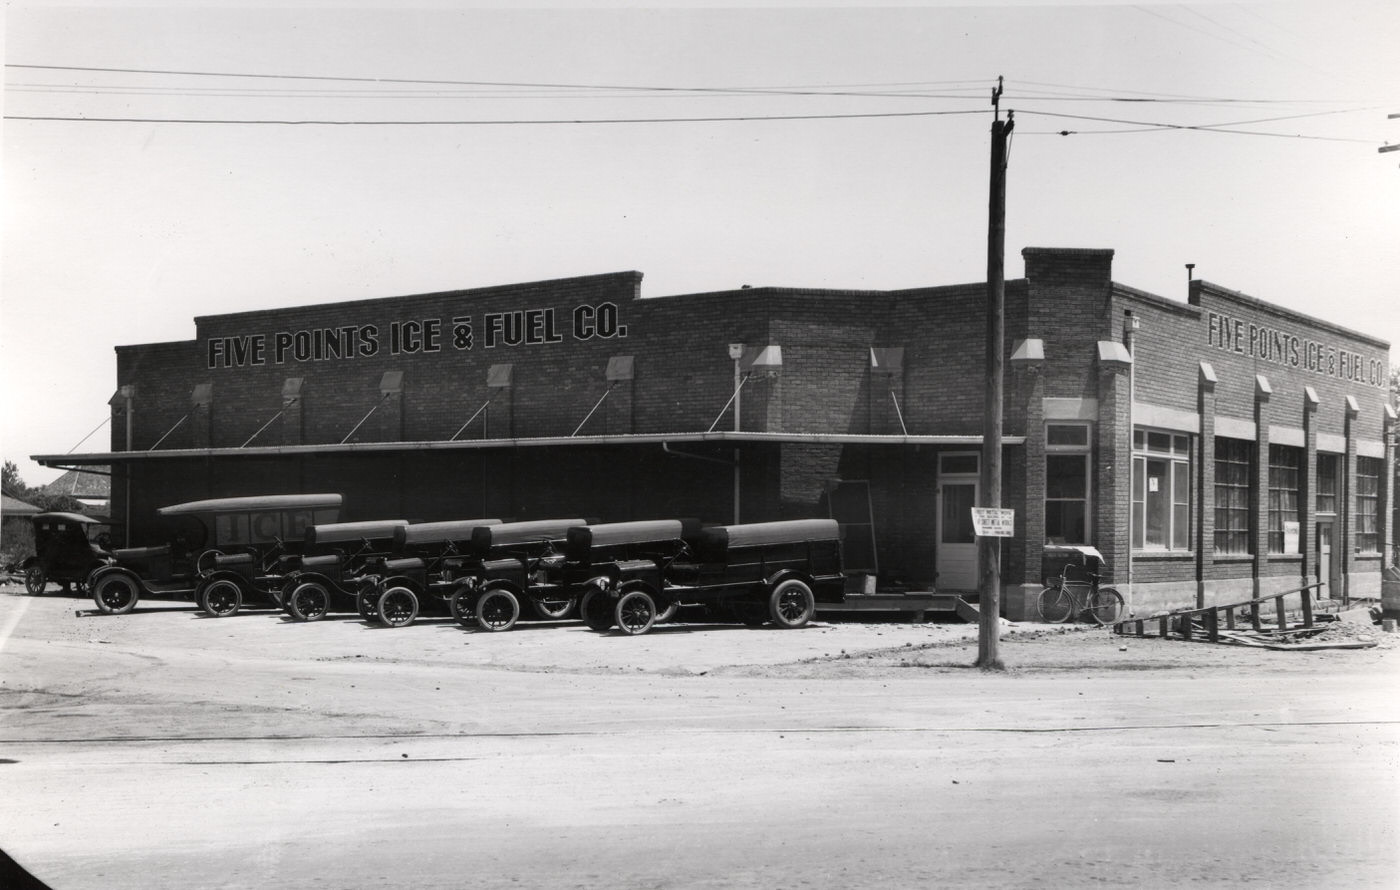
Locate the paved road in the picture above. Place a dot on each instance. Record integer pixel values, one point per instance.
(163, 750)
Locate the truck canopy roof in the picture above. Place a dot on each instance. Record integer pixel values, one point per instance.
(256, 502)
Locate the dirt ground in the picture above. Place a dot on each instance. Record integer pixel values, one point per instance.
(163, 748)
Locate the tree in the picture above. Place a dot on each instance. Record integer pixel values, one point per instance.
(12, 484)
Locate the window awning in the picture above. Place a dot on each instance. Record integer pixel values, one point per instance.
(718, 436)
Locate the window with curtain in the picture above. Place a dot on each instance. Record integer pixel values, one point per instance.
(1161, 490)
(1285, 504)
(1368, 489)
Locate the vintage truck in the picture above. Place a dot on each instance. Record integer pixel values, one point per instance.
(772, 572)
(481, 572)
(196, 533)
(339, 559)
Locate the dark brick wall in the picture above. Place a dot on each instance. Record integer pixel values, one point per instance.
(569, 329)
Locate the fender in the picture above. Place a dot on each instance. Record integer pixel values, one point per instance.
(382, 584)
(101, 572)
(638, 584)
(30, 561)
(222, 574)
(295, 580)
(503, 584)
(780, 576)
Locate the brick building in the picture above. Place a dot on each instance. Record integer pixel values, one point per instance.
(1209, 449)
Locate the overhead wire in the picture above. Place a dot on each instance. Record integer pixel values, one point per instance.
(480, 89)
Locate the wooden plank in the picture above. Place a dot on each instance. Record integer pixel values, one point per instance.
(1213, 626)
(1281, 614)
(1307, 608)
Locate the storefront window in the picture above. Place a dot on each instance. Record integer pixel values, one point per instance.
(1368, 477)
(1067, 483)
(1285, 505)
(1161, 490)
(1233, 470)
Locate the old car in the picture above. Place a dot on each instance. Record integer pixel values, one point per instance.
(606, 562)
(338, 561)
(483, 576)
(772, 572)
(229, 581)
(67, 547)
(197, 532)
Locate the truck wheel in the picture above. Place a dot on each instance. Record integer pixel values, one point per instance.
(635, 612)
(398, 606)
(116, 594)
(791, 604)
(35, 580)
(309, 602)
(221, 598)
(497, 610)
(554, 608)
(367, 604)
(462, 608)
(594, 611)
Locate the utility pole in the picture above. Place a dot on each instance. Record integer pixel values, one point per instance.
(988, 547)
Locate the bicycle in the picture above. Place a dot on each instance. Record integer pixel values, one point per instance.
(1069, 597)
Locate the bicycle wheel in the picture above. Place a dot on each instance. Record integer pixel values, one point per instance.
(1055, 605)
(1106, 605)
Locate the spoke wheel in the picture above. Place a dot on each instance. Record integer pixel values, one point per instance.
(635, 612)
(221, 598)
(35, 580)
(1106, 606)
(497, 610)
(1055, 605)
(116, 594)
(367, 604)
(398, 606)
(309, 602)
(791, 604)
(595, 610)
(554, 608)
(461, 606)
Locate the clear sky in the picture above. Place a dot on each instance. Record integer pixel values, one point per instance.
(122, 232)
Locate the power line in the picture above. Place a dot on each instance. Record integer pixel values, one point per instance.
(1147, 126)
(915, 89)
(406, 123)
(777, 91)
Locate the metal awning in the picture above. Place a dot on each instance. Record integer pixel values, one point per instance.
(718, 436)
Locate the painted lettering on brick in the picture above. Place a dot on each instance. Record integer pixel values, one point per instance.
(419, 336)
(1288, 349)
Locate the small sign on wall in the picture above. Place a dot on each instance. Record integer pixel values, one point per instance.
(993, 522)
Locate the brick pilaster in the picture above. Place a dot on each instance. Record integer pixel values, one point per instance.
(1259, 491)
(1113, 475)
(1307, 529)
(1205, 478)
